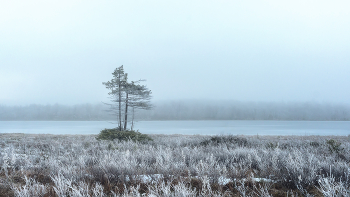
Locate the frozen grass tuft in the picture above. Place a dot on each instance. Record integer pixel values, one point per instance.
(30, 188)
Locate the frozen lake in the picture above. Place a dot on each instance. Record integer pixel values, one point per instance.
(184, 127)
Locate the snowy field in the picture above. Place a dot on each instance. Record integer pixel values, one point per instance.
(175, 165)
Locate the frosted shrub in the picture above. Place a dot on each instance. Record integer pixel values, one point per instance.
(61, 185)
(330, 188)
(80, 190)
(30, 189)
(97, 191)
(181, 189)
(263, 190)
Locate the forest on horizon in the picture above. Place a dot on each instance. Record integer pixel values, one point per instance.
(183, 110)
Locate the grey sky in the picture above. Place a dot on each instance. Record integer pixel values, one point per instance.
(62, 51)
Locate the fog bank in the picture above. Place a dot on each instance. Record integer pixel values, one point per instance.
(185, 110)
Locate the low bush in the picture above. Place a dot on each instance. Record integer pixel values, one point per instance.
(116, 134)
(271, 145)
(334, 146)
(216, 140)
(315, 144)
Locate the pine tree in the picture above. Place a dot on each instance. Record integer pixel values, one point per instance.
(139, 97)
(125, 95)
(117, 92)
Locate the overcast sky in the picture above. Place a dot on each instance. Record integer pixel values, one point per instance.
(61, 51)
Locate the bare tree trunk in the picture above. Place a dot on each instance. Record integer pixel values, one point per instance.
(120, 104)
(126, 111)
(133, 117)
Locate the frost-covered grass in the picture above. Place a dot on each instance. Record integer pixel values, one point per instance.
(175, 165)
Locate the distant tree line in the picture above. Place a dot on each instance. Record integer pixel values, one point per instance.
(186, 110)
(235, 110)
(55, 112)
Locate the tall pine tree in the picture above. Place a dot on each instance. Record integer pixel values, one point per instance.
(125, 95)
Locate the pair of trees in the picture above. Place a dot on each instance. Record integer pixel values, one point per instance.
(126, 95)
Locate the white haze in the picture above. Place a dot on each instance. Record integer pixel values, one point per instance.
(279, 51)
